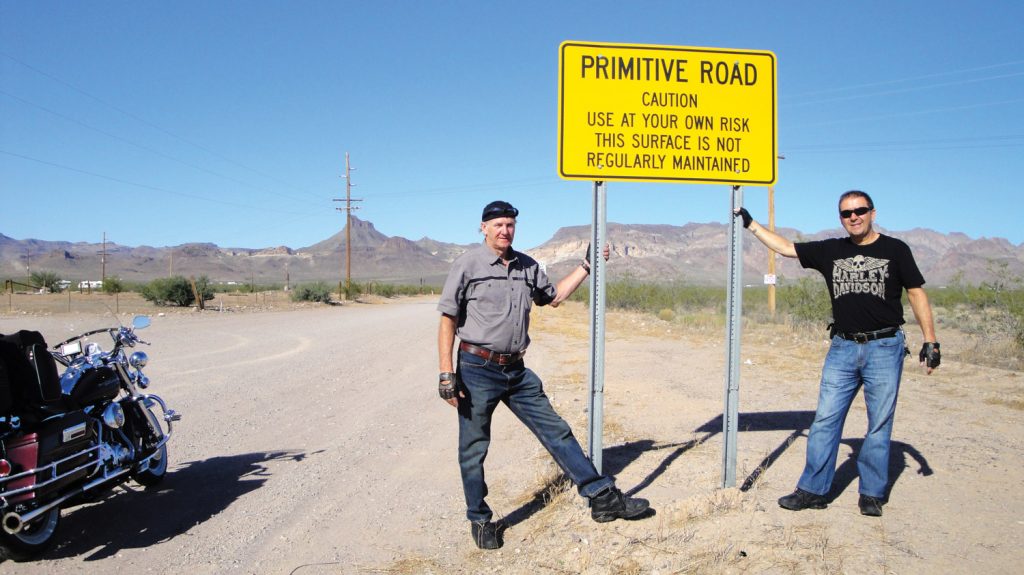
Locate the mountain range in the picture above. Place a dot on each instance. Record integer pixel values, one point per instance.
(695, 253)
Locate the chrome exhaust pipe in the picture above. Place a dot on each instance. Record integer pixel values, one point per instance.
(14, 522)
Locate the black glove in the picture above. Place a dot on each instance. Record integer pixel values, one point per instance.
(747, 220)
(586, 258)
(446, 386)
(930, 355)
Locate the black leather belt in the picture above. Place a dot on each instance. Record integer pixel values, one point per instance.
(866, 336)
(498, 358)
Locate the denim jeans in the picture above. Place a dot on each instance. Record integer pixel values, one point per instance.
(485, 384)
(877, 366)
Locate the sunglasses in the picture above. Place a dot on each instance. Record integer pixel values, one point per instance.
(846, 214)
(501, 212)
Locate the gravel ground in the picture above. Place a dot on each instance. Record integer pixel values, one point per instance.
(313, 442)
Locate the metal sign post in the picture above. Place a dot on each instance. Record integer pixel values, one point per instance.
(646, 112)
(597, 306)
(734, 308)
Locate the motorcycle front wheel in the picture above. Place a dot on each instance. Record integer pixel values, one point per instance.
(156, 471)
(32, 539)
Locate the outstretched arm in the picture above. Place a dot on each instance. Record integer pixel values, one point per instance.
(770, 239)
(572, 281)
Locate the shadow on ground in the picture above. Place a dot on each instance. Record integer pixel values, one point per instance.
(132, 518)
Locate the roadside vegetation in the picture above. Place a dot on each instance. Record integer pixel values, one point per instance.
(177, 291)
(990, 315)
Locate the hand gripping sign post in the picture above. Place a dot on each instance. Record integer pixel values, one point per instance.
(631, 112)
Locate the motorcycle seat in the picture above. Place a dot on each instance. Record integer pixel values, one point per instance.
(31, 372)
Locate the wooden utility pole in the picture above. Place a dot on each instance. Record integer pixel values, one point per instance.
(348, 222)
(103, 259)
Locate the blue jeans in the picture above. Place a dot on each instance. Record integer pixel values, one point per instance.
(485, 384)
(878, 366)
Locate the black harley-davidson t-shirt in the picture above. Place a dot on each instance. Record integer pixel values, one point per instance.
(865, 282)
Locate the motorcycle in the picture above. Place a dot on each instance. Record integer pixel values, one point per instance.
(66, 439)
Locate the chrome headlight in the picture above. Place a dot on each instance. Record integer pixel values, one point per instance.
(138, 359)
(142, 381)
(113, 416)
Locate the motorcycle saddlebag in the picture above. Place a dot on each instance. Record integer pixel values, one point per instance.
(58, 437)
(32, 370)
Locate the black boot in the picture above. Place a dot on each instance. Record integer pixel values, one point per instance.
(870, 506)
(612, 504)
(801, 499)
(486, 535)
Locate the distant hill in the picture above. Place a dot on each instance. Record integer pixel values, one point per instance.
(694, 253)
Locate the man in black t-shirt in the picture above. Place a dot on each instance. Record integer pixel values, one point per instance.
(866, 274)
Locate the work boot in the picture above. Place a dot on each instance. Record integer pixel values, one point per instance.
(612, 504)
(801, 499)
(486, 535)
(870, 506)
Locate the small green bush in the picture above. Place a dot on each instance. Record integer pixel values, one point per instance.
(316, 292)
(44, 279)
(114, 285)
(176, 290)
(806, 301)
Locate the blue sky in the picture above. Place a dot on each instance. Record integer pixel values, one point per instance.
(161, 123)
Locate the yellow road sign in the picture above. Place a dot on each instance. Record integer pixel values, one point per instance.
(666, 113)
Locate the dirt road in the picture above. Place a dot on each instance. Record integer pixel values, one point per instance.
(312, 441)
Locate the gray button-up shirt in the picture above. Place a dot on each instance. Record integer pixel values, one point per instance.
(492, 302)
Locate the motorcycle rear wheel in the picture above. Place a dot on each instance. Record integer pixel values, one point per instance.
(33, 539)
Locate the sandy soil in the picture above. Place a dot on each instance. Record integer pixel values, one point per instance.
(313, 442)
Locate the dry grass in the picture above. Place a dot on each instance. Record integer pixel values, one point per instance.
(1011, 402)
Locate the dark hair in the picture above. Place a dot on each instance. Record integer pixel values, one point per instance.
(857, 194)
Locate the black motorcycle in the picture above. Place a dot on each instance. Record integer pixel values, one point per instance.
(66, 438)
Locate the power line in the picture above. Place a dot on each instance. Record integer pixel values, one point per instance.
(946, 109)
(451, 190)
(152, 125)
(910, 89)
(1010, 140)
(132, 143)
(147, 186)
(906, 79)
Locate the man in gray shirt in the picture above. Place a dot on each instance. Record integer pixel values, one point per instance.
(486, 302)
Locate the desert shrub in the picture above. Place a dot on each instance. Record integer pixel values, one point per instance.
(315, 292)
(44, 279)
(806, 301)
(247, 287)
(383, 289)
(634, 295)
(113, 285)
(176, 290)
(992, 309)
(350, 289)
